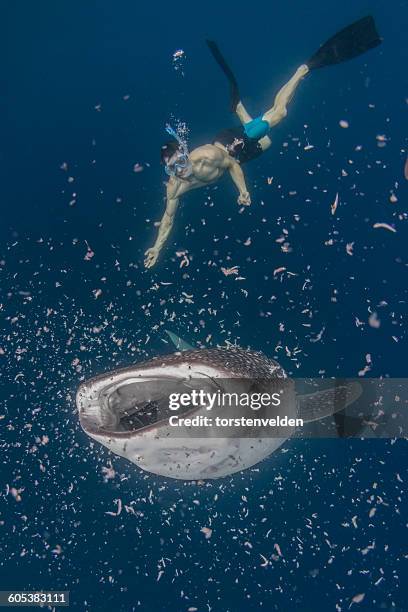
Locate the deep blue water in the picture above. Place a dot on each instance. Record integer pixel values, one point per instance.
(92, 85)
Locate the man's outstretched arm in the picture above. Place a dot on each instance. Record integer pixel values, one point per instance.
(166, 224)
(238, 177)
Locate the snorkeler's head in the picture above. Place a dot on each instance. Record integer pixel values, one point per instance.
(179, 165)
(175, 156)
(176, 160)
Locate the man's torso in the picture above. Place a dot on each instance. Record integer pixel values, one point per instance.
(209, 163)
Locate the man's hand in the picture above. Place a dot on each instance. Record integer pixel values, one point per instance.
(151, 257)
(244, 199)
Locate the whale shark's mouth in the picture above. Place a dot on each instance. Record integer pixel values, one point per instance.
(125, 408)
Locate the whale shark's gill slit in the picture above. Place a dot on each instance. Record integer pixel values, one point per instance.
(140, 416)
(219, 387)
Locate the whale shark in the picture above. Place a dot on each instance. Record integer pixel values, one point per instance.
(127, 410)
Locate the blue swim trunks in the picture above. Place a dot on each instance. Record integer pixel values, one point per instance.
(257, 128)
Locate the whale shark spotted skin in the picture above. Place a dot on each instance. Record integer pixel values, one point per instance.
(127, 410)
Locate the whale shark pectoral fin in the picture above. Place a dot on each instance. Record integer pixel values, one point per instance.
(179, 343)
(316, 406)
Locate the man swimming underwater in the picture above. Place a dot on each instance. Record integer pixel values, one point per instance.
(235, 146)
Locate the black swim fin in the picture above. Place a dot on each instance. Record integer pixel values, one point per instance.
(219, 58)
(350, 42)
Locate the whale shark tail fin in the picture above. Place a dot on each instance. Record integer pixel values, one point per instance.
(350, 426)
(179, 343)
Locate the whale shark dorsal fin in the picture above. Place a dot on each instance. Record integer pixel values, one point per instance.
(316, 406)
(179, 343)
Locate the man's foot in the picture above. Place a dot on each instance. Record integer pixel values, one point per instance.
(303, 70)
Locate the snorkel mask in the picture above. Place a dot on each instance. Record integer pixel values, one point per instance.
(182, 165)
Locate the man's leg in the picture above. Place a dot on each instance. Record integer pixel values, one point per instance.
(242, 113)
(244, 118)
(278, 111)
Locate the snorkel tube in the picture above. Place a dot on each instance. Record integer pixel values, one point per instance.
(182, 163)
(182, 143)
